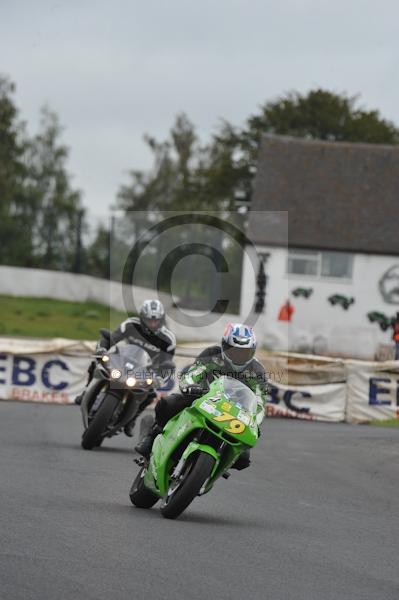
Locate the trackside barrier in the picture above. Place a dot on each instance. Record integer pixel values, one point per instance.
(43, 370)
(301, 386)
(372, 391)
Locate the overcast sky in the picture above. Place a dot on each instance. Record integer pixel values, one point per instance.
(116, 70)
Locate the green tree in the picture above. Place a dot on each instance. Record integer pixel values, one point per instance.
(185, 176)
(189, 176)
(98, 253)
(323, 115)
(58, 207)
(15, 208)
(319, 114)
(40, 213)
(179, 176)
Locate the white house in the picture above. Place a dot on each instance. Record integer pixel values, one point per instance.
(324, 222)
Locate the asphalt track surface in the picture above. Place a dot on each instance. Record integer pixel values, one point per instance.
(315, 517)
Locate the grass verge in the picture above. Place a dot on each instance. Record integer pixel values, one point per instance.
(386, 423)
(46, 318)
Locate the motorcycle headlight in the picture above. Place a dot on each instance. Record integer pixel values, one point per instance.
(148, 381)
(116, 373)
(105, 358)
(131, 381)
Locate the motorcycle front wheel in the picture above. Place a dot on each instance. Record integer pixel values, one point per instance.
(181, 493)
(94, 434)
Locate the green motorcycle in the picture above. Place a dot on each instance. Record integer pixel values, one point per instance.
(196, 447)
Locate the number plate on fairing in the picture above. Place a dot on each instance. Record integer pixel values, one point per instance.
(210, 408)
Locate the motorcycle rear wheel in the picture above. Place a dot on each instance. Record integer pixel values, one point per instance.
(94, 434)
(177, 500)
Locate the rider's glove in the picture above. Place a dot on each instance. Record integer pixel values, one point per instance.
(197, 389)
(100, 351)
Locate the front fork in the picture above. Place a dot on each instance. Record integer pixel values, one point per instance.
(131, 411)
(93, 390)
(196, 446)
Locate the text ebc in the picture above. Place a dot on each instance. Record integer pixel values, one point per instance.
(24, 372)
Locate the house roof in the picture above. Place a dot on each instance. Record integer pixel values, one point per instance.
(339, 196)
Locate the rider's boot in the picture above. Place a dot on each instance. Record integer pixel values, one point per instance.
(129, 427)
(144, 447)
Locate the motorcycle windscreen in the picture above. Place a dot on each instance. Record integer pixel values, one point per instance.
(132, 358)
(239, 393)
(136, 355)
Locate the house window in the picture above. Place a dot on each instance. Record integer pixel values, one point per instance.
(336, 264)
(303, 263)
(324, 265)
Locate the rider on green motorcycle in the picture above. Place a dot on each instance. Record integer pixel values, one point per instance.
(234, 358)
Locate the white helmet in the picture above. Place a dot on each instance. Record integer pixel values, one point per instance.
(238, 345)
(152, 315)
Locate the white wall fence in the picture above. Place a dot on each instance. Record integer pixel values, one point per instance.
(311, 388)
(188, 325)
(39, 283)
(346, 333)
